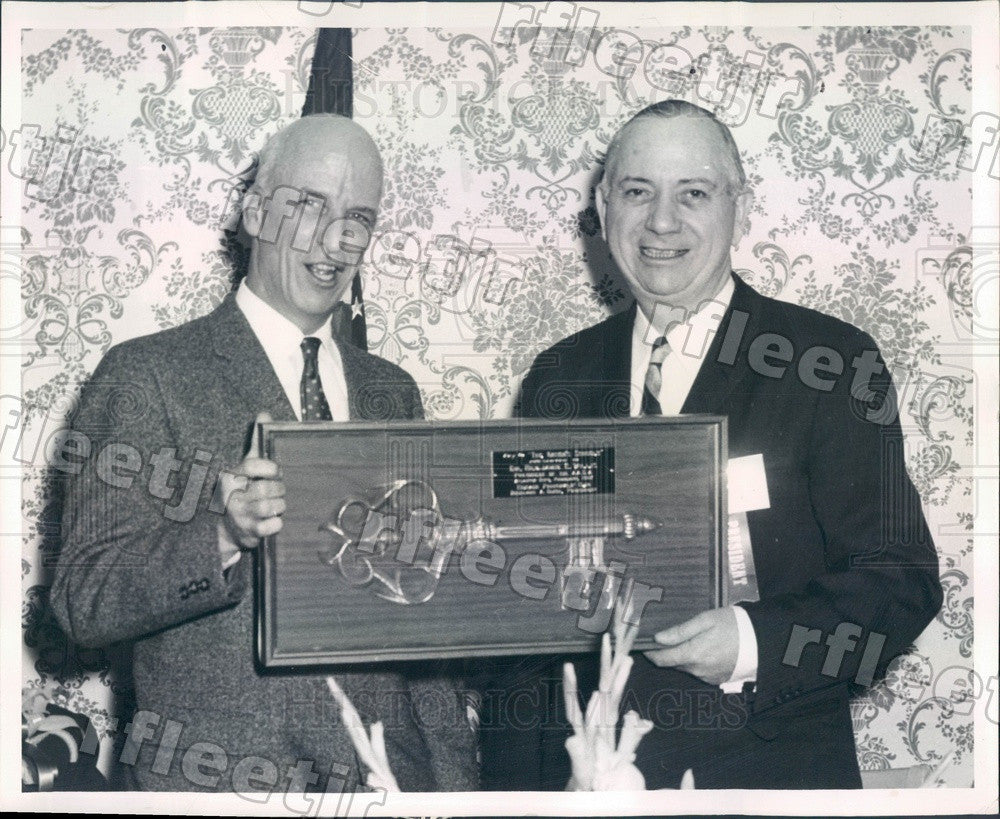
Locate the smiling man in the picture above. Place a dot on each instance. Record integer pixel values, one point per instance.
(325, 202)
(754, 695)
(671, 202)
(179, 587)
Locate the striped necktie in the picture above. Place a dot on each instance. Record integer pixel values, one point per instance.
(314, 406)
(654, 378)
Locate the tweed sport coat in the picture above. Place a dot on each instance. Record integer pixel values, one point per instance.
(140, 563)
(843, 542)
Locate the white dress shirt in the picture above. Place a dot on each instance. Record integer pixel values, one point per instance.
(689, 338)
(282, 340)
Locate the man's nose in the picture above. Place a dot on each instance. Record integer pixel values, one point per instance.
(663, 216)
(346, 240)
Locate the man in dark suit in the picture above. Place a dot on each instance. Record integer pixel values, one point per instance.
(755, 695)
(152, 556)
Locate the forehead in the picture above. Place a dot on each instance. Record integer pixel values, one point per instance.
(672, 148)
(327, 171)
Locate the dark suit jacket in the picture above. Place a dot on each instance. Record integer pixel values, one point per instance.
(133, 570)
(844, 541)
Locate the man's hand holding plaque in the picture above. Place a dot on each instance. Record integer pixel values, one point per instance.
(254, 499)
(705, 646)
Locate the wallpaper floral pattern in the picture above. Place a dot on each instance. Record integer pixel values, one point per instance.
(488, 248)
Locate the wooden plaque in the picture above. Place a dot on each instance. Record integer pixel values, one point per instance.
(409, 540)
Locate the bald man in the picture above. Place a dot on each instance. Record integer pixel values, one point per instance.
(144, 558)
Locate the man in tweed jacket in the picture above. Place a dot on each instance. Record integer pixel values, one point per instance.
(145, 559)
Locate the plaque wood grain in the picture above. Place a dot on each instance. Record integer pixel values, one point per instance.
(669, 469)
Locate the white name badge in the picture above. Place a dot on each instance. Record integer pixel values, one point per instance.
(747, 484)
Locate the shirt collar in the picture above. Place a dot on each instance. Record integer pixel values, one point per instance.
(268, 323)
(707, 317)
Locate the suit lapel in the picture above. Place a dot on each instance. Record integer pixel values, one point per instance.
(245, 364)
(610, 367)
(724, 368)
(356, 374)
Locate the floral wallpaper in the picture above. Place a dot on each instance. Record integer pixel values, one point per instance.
(488, 247)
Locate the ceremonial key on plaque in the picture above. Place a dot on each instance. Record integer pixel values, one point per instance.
(412, 540)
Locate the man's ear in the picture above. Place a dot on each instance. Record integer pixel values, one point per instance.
(253, 212)
(741, 220)
(602, 207)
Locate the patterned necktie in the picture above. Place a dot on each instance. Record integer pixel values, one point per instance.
(654, 378)
(314, 406)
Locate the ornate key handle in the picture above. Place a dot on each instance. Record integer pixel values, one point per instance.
(357, 545)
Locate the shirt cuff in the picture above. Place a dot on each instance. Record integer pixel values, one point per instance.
(229, 550)
(231, 561)
(746, 656)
